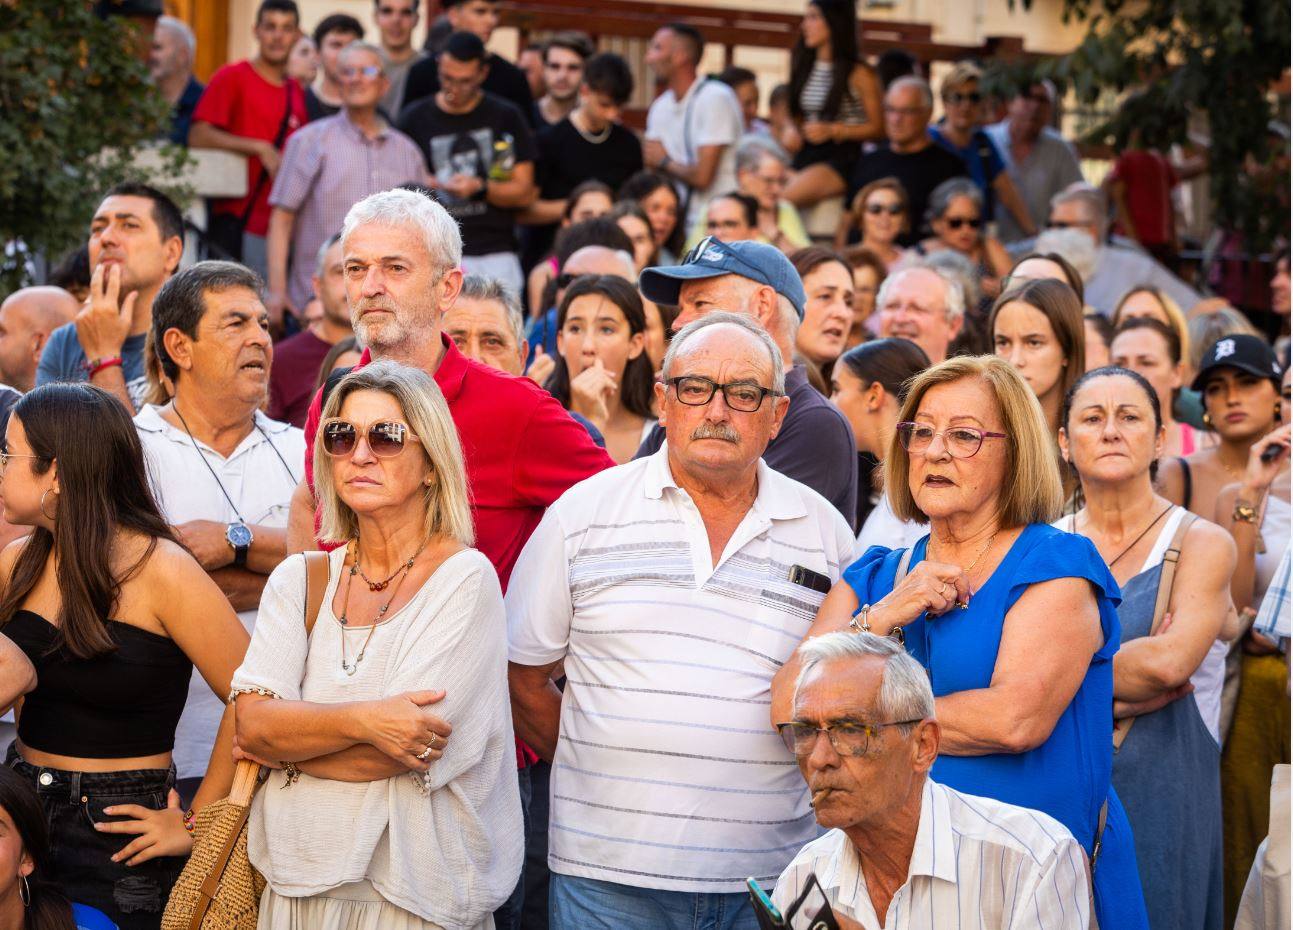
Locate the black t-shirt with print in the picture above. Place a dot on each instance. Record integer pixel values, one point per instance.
(469, 143)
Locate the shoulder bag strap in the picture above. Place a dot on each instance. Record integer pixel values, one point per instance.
(316, 583)
(903, 565)
(1166, 578)
(279, 138)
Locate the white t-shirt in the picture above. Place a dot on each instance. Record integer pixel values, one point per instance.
(883, 528)
(668, 774)
(708, 114)
(260, 479)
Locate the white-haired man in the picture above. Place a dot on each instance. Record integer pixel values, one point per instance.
(815, 444)
(909, 155)
(923, 305)
(170, 65)
(904, 850)
(671, 588)
(1118, 268)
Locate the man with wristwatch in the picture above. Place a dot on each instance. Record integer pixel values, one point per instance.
(223, 472)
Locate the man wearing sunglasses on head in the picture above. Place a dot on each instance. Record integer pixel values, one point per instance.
(899, 843)
(815, 444)
(960, 131)
(327, 166)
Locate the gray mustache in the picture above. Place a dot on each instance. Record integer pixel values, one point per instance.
(716, 431)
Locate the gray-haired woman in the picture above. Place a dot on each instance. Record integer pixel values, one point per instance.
(389, 724)
(955, 214)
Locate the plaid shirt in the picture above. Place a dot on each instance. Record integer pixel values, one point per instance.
(329, 166)
(1273, 617)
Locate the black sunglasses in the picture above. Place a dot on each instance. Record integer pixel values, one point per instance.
(875, 209)
(957, 222)
(972, 97)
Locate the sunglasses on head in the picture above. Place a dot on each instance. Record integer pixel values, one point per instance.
(956, 222)
(386, 438)
(875, 209)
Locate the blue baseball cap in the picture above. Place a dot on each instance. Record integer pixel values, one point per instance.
(711, 258)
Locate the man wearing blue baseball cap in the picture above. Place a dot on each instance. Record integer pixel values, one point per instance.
(815, 446)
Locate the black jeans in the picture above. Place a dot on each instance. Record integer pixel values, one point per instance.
(133, 896)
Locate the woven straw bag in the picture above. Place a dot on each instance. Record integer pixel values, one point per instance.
(219, 889)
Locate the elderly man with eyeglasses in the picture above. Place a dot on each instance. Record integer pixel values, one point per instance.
(815, 445)
(671, 589)
(902, 849)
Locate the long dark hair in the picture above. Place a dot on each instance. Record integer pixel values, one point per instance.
(48, 908)
(892, 362)
(642, 185)
(103, 490)
(638, 383)
(841, 20)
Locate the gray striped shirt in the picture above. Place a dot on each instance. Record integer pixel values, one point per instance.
(667, 773)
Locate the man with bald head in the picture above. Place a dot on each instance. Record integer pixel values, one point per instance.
(170, 65)
(909, 155)
(815, 444)
(27, 317)
(665, 548)
(924, 306)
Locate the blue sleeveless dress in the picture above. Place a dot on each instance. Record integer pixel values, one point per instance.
(1068, 776)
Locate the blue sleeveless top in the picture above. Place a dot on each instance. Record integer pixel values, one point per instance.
(1068, 776)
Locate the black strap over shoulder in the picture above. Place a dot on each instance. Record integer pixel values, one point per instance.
(331, 383)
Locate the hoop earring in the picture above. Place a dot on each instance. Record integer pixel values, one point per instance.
(24, 892)
(42, 506)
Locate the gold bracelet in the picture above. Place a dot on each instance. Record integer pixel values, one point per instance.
(1244, 513)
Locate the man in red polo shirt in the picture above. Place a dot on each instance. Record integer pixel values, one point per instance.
(402, 254)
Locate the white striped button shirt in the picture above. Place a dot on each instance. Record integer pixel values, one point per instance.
(977, 864)
(667, 773)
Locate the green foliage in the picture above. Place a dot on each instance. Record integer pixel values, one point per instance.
(1178, 58)
(75, 107)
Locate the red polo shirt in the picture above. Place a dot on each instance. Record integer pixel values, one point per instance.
(522, 451)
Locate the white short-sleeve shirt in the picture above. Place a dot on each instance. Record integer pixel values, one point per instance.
(708, 114)
(668, 774)
(259, 476)
(976, 862)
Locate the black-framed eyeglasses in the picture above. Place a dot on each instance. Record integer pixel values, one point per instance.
(961, 442)
(695, 391)
(957, 96)
(956, 222)
(848, 738)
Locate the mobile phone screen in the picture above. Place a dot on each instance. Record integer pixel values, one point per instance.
(812, 911)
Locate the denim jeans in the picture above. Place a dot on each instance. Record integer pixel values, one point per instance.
(508, 914)
(588, 904)
(80, 856)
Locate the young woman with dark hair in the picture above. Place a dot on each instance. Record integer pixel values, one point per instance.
(602, 369)
(658, 198)
(113, 613)
(29, 897)
(828, 310)
(868, 385)
(835, 103)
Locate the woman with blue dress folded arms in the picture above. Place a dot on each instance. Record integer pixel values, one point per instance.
(1015, 620)
(1112, 435)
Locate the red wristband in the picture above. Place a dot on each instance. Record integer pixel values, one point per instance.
(98, 364)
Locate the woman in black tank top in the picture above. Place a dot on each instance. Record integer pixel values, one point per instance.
(111, 612)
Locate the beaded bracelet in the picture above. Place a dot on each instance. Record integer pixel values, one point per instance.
(190, 821)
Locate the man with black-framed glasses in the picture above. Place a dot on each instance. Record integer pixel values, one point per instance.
(671, 589)
(865, 737)
(815, 445)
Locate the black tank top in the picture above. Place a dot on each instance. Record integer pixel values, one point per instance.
(118, 705)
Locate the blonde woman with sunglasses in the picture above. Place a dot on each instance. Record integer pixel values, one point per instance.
(394, 803)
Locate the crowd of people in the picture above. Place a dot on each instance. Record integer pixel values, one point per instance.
(632, 490)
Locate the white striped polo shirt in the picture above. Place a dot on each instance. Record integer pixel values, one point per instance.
(977, 864)
(668, 774)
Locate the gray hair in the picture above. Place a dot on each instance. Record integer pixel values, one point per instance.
(1089, 197)
(943, 195)
(905, 692)
(479, 287)
(910, 80)
(180, 28)
(752, 151)
(359, 45)
(732, 319)
(953, 290)
(959, 267)
(322, 254)
(446, 503)
(401, 208)
(1073, 245)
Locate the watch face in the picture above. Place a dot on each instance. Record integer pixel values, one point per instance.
(238, 535)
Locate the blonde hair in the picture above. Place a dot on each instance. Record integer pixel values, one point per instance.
(1171, 309)
(1032, 491)
(962, 73)
(446, 502)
